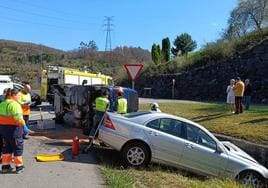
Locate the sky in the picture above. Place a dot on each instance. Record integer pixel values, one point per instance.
(63, 24)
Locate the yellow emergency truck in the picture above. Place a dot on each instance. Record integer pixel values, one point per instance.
(62, 75)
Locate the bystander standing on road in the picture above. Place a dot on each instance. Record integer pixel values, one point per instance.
(11, 130)
(230, 96)
(247, 94)
(25, 101)
(238, 88)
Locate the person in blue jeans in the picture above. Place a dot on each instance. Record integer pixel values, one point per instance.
(247, 94)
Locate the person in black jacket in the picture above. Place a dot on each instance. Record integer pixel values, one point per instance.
(247, 94)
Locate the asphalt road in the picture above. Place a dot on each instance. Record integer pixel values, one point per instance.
(79, 172)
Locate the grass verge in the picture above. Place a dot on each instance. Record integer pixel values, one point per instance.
(159, 177)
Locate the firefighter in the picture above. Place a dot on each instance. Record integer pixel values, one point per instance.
(102, 104)
(121, 102)
(25, 101)
(11, 130)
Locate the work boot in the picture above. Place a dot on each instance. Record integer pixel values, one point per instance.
(7, 169)
(19, 169)
(25, 137)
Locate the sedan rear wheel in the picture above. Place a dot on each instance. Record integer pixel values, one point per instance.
(252, 179)
(136, 155)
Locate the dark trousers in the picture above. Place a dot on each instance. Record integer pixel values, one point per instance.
(97, 118)
(247, 100)
(25, 127)
(1, 145)
(238, 105)
(12, 139)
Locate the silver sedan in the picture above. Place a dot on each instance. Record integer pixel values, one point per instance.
(142, 137)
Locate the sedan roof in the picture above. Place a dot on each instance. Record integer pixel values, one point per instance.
(143, 116)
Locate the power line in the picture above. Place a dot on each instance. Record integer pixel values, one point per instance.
(108, 25)
(52, 10)
(16, 20)
(45, 16)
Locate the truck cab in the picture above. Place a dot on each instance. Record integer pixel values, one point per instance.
(61, 75)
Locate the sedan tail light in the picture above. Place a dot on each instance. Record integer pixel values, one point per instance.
(108, 123)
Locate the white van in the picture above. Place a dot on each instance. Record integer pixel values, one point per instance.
(5, 82)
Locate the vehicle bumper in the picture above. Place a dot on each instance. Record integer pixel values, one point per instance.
(112, 139)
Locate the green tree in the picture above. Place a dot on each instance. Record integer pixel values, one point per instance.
(156, 54)
(248, 16)
(166, 49)
(183, 44)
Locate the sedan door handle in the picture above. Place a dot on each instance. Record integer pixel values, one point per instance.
(153, 133)
(188, 145)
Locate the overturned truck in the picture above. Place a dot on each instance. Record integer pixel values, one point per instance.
(74, 105)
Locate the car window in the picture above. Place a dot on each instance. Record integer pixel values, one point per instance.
(197, 135)
(171, 126)
(154, 124)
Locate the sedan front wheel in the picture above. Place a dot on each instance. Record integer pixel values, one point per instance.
(252, 179)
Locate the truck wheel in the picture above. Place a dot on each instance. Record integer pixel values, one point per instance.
(85, 131)
(58, 118)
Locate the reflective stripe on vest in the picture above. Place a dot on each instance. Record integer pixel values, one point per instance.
(24, 98)
(102, 104)
(11, 113)
(122, 105)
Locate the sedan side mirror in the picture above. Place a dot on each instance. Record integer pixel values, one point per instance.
(219, 149)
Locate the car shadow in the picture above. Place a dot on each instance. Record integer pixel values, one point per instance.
(255, 121)
(210, 117)
(88, 158)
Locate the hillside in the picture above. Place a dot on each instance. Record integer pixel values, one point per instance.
(24, 60)
(205, 74)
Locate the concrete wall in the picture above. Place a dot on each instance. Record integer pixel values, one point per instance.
(257, 151)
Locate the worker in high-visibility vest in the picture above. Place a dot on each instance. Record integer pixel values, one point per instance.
(121, 101)
(102, 104)
(11, 130)
(1, 140)
(25, 101)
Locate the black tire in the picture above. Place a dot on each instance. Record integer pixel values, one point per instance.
(136, 154)
(85, 131)
(58, 119)
(251, 179)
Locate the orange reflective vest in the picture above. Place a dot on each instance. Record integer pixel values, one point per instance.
(23, 99)
(11, 113)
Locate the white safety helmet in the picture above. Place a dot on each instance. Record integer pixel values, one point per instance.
(155, 105)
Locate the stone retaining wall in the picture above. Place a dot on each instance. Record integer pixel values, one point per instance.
(210, 82)
(257, 151)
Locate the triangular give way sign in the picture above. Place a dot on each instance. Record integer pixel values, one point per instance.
(133, 70)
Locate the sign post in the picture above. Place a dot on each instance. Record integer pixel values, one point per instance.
(133, 70)
(173, 88)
